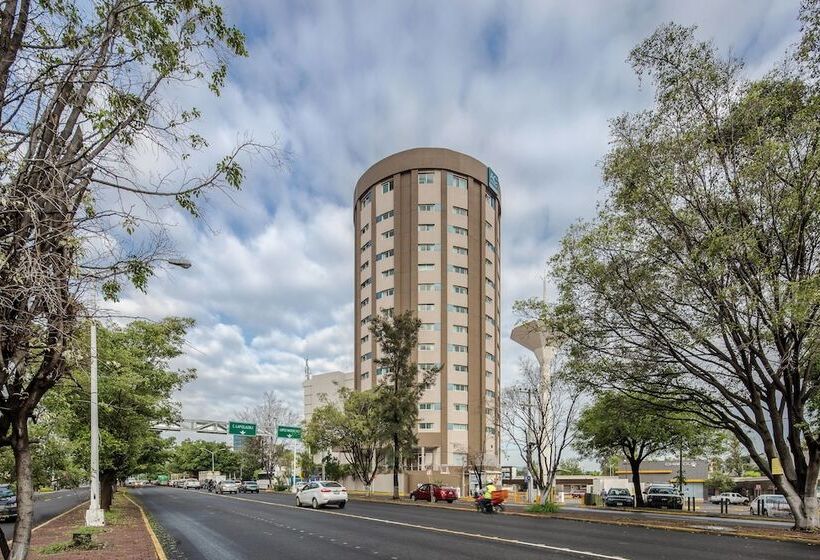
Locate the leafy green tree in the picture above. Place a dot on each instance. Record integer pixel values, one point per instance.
(719, 482)
(333, 469)
(357, 428)
(86, 88)
(135, 389)
(619, 423)
(696, 284)
(403, 385)
(189, 457)
(570, 466)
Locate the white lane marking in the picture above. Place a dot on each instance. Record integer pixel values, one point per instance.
(441, 530)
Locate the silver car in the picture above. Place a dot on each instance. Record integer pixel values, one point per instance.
(772, 505)
(227, 487)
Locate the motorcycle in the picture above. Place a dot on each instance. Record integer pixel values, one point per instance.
(494, 505)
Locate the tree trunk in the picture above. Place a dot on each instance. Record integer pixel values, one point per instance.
(4, 545)
(107, 481)
(635, 465)
(25, 491)
(395, 466)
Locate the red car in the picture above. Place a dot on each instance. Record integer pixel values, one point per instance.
(440, 493)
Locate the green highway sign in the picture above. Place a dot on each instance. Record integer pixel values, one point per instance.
(289, 432)
(241, 428)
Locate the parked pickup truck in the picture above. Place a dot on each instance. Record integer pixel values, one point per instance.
(663, 496)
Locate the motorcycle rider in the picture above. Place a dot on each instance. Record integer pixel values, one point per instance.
(487, 498)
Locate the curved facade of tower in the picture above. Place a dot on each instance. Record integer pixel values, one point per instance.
(428, 239)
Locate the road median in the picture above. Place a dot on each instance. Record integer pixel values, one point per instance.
(126, 535)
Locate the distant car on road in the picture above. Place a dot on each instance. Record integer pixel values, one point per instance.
(321, 493)
(440, 493)
(249, 487)
(619, 497)
(227, 487)
(732, 497)
(8, 502)
(663, 496)
(192, 484)
(773, 505)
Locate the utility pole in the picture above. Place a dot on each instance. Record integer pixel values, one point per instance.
(94, 517)
(529, 445)
(212, 461)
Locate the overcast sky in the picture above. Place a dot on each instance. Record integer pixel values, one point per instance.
(526, 87)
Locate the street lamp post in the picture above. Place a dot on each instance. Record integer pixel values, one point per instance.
(212, 461)
(95, 516)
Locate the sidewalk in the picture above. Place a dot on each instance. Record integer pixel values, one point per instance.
(676, 522)
(125, 536)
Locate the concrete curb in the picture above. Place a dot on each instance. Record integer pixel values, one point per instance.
(733, 532)
(154, 540)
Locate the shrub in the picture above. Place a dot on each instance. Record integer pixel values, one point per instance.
(549, 507)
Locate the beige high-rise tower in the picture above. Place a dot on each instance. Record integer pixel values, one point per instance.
(428, 239)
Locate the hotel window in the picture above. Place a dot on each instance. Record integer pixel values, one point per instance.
(365, 228)
(365, 375)
(490, 394)
(426, 177)
(460, 211)
(427, 366)
(365, 301)
(488, 374)
(430, 287)
(459, 328)
(491, 430)
(490, 199)
(365, 320)
(460, 289)
(367, 246)
(425, 425)
(384, 254)
(490, 284)
(427, 227)
(429, 406)
(387, 311)
(367, 356)
(365, 266)
(429, 207)
(389, 272)
(488, 262)
(385, 216)
(430, 327)
(488, 300)
(456, 387)
(384, 293)
(456, 308)
(429, 247)
(366, 199)
(365, 338)
(388, 234)
(457, 230)
(457, 427)
(457, 269)
(387, 186)
(383, 370)
(426, 266)
(489, 356)
(427, 346)
(487, 225)
(427, 307)
(490, 320)
(456, 181)
(366, 283)
(456, 348)
(459, 250)
(488, 336)
(460, 407)
(490, 247)
(460, 367)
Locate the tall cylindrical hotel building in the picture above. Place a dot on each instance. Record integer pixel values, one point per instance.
(428, 240)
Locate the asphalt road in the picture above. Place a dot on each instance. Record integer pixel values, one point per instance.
(205, 526)
(50, 504)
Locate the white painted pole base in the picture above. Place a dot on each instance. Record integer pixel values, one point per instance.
(95, 517)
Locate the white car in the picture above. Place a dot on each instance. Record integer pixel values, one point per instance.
(192, 483)
(773, 505)
(732, 497)
(321, 493)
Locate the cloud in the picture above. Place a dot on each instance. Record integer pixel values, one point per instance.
(527, 88)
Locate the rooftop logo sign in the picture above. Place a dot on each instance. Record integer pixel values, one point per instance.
(492, 181)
